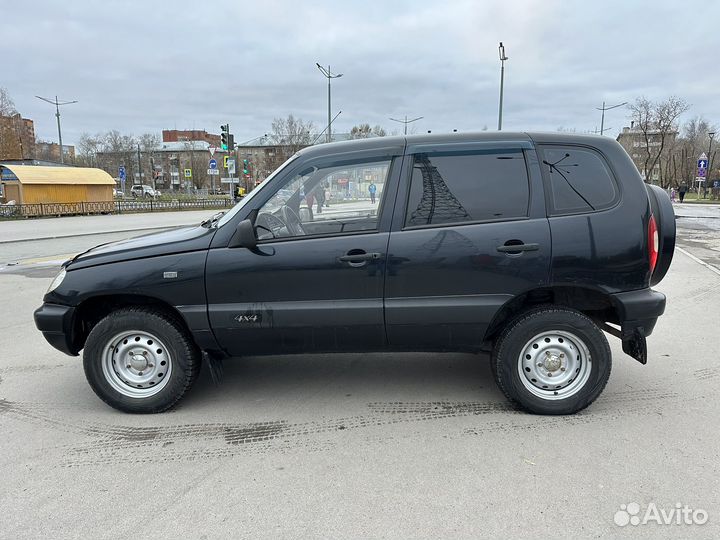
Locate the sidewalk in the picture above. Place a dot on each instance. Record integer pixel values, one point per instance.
(46, 228)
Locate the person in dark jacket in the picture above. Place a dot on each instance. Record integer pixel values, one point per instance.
(682, 191)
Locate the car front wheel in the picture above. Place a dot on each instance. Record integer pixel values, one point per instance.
(139, 360)
(552, 361)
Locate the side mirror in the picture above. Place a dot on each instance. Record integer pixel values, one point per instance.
(244, 235)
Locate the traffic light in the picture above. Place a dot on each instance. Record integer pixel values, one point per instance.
(246, 166)
(224, 136)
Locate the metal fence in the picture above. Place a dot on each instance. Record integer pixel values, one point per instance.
(109, 207)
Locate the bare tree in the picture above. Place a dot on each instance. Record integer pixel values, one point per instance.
(292, 134)
(364, 131)
(87, 149)
(361, 131)
(657, 122)
(7, 105)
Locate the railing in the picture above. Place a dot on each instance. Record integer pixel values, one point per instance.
(109, 207)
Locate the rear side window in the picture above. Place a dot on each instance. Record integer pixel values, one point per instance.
(457, 187)
(579, 180)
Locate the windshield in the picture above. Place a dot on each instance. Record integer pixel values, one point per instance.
(235, 209)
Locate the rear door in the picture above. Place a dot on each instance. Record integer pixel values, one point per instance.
(469, 233)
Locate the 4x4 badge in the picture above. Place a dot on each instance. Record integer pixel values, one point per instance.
(247, 318)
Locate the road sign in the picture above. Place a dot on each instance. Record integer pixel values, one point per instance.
(701, 173)
(228, 180)
(213, 172)
(212, 164)
(121, 173)
(702, 163)
(231, 166)
(212, 150)
(188, 173)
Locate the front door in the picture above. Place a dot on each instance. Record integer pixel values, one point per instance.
(315, 280)
(472, 235)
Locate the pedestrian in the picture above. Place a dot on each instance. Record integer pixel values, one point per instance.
(683, 191)
(320, 197)
(672, 194)
(372, 189)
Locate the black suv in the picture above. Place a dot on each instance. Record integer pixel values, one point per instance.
(525, 245)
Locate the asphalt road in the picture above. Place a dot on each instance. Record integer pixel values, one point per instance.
(365, 445)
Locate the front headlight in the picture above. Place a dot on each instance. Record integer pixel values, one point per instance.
(57, 281)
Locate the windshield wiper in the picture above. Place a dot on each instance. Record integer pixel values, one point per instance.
(211, 221)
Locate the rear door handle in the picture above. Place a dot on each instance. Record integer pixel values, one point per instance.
(360, 257)
(517, 248)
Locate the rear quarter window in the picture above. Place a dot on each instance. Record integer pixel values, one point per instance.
(578, 180)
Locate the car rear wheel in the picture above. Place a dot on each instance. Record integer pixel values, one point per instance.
(140, 360)
(552, 361)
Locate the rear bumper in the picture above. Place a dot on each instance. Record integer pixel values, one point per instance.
(639, 310)
(56, 324)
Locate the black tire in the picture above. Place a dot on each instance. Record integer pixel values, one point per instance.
(181, 360)
(592, 362)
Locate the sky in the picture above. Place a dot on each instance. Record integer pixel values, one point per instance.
(144, 66)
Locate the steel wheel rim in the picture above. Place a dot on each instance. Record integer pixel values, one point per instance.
(554, 365)
(136, 364)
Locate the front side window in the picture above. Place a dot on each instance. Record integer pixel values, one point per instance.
(579, 180)
(457, 187)
(325, 200)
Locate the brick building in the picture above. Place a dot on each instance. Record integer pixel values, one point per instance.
(50, 151)
(17, 138)
(176, 135)
(635, 144)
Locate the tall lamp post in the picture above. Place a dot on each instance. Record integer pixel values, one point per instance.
(406, 121)
(603, 109)
(57, 115)
(328, 74)
(711, 134)
(501, 51)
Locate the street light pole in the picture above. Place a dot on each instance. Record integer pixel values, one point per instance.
(711, 134)
(603, 109)
(328, 74)
(57, 115)
(501, 51)
(406, 122)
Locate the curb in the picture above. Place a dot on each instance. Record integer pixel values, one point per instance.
(89, 234)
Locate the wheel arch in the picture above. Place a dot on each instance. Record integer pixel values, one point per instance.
(93, 309)
(594, 303)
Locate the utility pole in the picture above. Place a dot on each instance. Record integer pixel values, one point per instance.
(503, 57)
(708, 179)
(57, 115)
(328, 74)
(406, 122)
(603, 109)
(139, 167)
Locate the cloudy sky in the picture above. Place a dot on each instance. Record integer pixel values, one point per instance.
(142, 66)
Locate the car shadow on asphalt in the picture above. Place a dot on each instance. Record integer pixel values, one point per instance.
(385, 376)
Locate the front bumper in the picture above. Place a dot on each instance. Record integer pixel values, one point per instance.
(56, 323)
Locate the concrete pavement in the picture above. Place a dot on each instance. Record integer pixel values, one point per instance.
(365, 445)
(47, 228)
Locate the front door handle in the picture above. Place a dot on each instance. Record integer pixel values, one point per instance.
(517, 248)
(360, 257)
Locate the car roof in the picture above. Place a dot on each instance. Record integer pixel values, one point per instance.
(447, 138)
